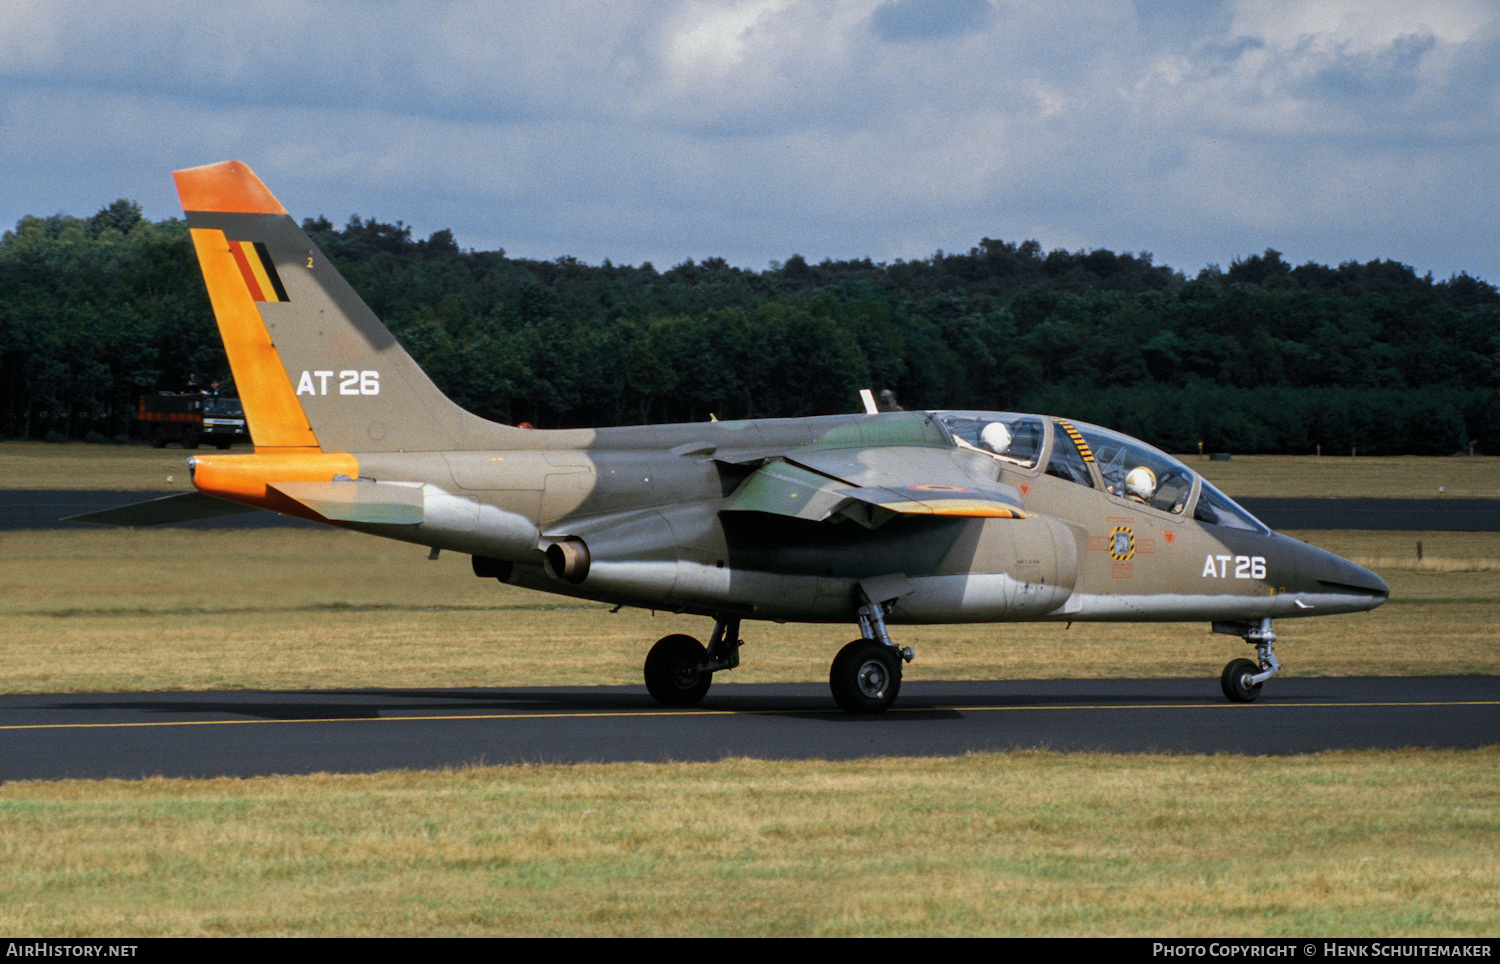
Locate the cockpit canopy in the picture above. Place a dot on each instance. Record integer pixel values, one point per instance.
(1126, 468)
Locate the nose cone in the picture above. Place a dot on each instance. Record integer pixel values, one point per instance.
(1334, 584)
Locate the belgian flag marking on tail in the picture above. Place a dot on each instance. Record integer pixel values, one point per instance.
(258, 270)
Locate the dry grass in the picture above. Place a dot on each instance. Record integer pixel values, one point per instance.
(177, 609)
(1388, 844)
(1433, 552)
(1391, 477)
(74, 465)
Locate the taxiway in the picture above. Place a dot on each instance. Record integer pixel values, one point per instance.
(132, 735)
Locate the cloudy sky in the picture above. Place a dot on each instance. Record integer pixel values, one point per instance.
(1200, 131)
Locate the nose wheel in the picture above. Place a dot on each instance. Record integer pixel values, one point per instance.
(1236, 681)
(1242, 678)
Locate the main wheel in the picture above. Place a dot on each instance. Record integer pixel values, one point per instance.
(1236, 681)
(159, 437)
(674, 676)
(189, 438)
(865, 677)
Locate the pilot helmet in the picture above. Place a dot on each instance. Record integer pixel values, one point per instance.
(995, 437)
(1140, 483)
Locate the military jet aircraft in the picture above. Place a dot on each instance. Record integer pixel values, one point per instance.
(877, 519)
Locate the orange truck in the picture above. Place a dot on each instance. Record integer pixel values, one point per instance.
(191, 419)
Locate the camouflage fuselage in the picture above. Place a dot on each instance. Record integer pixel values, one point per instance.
(656, 512)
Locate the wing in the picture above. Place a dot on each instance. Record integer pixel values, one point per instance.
(873, 485)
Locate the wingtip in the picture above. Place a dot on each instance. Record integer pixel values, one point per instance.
(226, 187)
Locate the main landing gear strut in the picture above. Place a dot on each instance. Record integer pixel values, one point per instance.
(865, 676)
(1242, 678)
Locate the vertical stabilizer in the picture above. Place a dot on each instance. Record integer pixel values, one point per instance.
(314, 368)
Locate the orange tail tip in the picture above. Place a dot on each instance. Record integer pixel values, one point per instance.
(228, 186)
(249, 479)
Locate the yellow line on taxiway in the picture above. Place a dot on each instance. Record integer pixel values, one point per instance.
(618, 714)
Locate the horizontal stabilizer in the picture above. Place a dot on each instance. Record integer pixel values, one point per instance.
(182, 507)
(384, 503)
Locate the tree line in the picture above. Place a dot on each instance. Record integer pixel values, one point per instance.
(1262, 356)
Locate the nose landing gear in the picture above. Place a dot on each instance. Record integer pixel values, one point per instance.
(1242, 678)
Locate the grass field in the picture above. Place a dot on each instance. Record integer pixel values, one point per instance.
(1342, 477)
(1346, 844)
(1380, 843)
(74, 465)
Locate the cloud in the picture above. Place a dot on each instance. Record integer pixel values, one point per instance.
(752, 129)
(905, 21)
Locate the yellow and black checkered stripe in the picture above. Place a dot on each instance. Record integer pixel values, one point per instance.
(1083, 447)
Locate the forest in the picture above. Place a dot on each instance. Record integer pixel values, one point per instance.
(1259, 357)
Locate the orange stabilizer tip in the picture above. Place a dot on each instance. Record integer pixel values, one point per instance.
(246, 478)
(228, 186)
